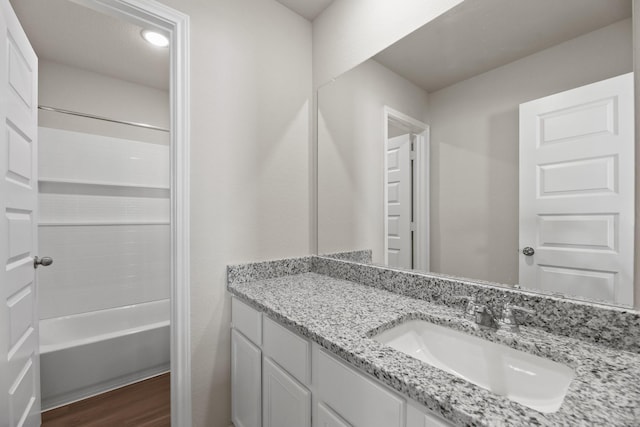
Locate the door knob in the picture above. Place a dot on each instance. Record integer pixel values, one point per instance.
(528, 251)
(44, 261)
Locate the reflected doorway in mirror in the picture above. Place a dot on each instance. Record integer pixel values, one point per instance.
(406, 191)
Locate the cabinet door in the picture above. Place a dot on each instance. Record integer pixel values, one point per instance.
(286, 402)
(327, 418)
(245, 382)
(424, 418)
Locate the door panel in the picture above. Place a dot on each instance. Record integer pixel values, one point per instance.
(585, 119)
(577, 281)
(22, 396)
(578, 177)
(577, 191)
(19, 167)
(399, 244)
(19, 364)
(594, 232)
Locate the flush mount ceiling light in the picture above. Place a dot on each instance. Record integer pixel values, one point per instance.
(155, 38)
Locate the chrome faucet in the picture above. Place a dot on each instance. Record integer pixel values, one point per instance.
(508, 321)
(484, 317)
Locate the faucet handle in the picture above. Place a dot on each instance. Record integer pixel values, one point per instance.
(508, 320)
(484, 317)
(470, 308)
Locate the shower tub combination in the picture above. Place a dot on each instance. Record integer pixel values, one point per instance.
(86, 354)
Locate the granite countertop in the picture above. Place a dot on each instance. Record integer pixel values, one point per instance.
(341, 315)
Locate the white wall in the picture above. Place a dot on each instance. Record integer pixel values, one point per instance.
(351, 154)
(74, 89)
(474, 137)
(349, 32)
(250, 107)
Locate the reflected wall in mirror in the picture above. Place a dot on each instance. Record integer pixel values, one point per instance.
(494, 143)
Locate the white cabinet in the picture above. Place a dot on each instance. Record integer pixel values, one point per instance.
(265, 392)
(325, 417)
(246, 396)
(288, 350)
(424, 418)
(359, 400)
(273, 371)
(286, 402)
(247, 320)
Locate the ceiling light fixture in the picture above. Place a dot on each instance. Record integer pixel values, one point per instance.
(155, 38)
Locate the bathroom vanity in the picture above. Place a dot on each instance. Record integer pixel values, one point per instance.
(304, 353)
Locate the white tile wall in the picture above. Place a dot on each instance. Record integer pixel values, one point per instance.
(110, 243)
(79, 209)
(98, 267)
(82, 157)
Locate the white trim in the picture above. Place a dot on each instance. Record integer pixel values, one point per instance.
(423, 201)
(176, 25)
(421, 188)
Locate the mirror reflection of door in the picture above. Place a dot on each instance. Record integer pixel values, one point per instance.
(406, 198)
(577, 192)
(400, 155)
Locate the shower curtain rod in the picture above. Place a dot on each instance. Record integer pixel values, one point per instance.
(106, 119)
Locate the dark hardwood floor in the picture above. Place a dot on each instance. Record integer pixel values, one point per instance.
(143, 404)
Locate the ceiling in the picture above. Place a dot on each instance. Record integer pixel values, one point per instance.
(480, 35)
(459, 44)
(309, 9)
(70, 34)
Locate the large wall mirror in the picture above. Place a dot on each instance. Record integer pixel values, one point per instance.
(495, 143)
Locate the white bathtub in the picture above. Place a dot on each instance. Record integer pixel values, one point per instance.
(86, 354)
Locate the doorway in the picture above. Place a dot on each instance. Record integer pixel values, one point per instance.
(175, 25)
(406, 191)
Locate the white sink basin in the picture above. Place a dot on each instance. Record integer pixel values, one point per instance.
(533, 381)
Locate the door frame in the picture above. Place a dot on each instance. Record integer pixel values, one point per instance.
(175, 24)
(420, 194)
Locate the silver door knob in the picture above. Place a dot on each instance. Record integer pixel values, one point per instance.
(44, 261)
(528, 251)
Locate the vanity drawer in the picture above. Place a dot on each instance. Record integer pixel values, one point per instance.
(289, 350)
(347, 392)
(247, 320)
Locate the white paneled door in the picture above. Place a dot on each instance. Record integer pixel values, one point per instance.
(399, 202)
(577, 191)
(19, 357)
